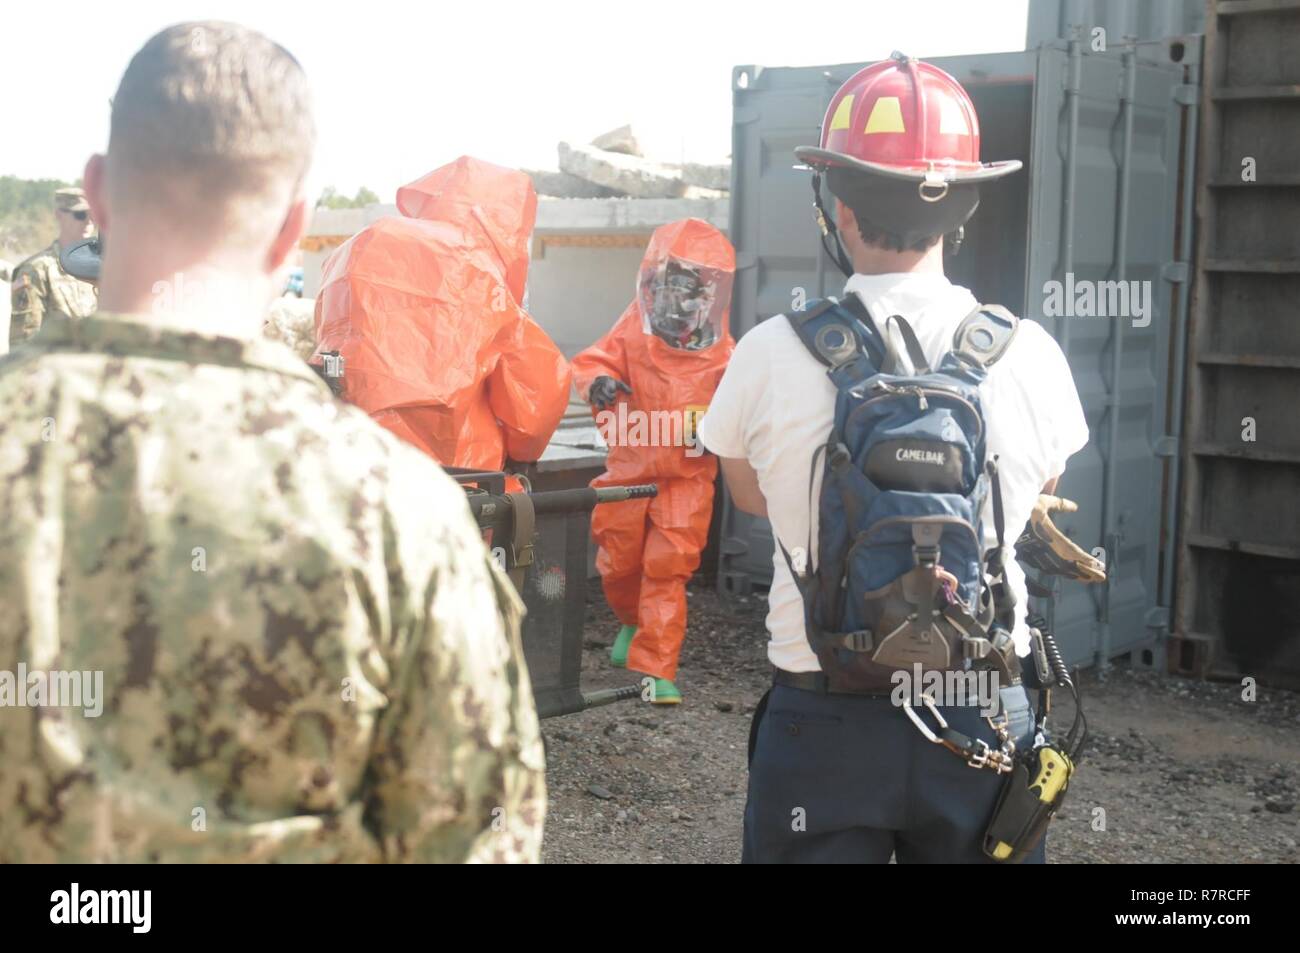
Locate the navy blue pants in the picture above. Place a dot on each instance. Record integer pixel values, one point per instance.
(849, 779)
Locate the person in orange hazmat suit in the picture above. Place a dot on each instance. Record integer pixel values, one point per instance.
(426, 311)
(648, 381)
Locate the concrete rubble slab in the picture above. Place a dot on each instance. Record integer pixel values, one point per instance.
(618, 140)
(633, 176)
(563, 185)
(708, 176)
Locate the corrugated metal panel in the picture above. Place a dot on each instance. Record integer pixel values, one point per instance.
(1016, 242)
(1142, 19)
(1239, 567)
(1107, 621)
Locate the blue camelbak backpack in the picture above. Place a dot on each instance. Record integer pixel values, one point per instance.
(900, 575)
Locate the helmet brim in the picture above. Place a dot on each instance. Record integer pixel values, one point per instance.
(821, 159)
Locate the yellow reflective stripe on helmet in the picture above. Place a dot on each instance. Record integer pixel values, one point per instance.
(841, 118)
(886, 116)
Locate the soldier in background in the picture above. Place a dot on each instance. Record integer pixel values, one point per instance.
(303, 649)
(6, 272)
(41, 287)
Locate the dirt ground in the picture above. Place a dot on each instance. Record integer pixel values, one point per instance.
(1183, 770)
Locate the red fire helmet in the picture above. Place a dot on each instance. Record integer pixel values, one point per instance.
(904, 119)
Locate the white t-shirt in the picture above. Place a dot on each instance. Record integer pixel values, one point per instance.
(775, 404)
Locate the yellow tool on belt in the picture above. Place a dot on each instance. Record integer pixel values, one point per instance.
(1035, 788)
(1024, 810)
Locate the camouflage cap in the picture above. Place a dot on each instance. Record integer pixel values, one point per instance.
(70, 200)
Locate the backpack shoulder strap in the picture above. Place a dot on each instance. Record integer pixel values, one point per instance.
(985, 334)
(836, 332)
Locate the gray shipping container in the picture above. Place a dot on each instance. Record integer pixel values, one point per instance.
(1141, 19)
(1103, 136)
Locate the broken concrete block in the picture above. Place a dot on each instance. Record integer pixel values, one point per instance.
(708, 176)
(618, 140)
(633, 176)
(565, 186)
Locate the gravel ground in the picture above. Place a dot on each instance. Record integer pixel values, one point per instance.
(1183, 770)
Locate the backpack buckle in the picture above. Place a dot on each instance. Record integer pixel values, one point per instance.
(861, 640)
(925, 543)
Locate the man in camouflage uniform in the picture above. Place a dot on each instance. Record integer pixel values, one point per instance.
(306, 652)
(41, 287)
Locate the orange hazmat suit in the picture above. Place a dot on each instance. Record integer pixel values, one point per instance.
(427, 313)
(649, 548)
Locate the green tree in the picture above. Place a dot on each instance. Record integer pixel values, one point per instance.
(26, 215)
(330, 198)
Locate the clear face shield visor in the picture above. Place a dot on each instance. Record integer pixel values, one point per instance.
(682, 304)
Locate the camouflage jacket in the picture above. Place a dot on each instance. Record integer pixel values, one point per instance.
(305, 651)
(42, 288)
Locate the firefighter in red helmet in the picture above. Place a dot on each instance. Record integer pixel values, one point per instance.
(900, 146)
(900, 152)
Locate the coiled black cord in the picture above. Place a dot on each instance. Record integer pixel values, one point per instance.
(1078, 734)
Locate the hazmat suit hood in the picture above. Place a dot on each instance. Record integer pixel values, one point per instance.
(470, 191)
(426, 311)
(694, 317)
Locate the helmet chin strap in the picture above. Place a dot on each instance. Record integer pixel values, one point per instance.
(830, 235)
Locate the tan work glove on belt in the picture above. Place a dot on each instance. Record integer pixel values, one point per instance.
(1044, 547)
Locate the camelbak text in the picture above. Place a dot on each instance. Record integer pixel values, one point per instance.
(921, 456)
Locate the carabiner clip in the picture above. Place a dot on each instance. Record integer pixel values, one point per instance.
(920, 725)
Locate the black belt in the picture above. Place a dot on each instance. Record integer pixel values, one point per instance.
(817, 682)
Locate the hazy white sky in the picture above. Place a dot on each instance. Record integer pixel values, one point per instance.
(403, 87)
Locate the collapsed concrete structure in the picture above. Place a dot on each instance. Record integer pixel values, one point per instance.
(613, 163)
(636, 177)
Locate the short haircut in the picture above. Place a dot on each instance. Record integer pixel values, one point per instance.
(892, 241)
(892, 215)
(208, 116)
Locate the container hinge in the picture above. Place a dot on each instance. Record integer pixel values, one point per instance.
(1174, 272)
(1166, 446)
(1185, 94)
(746, 77)
(1157, 617)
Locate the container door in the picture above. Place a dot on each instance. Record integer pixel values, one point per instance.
(1093, 302)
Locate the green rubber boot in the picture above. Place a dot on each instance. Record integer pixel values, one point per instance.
(618, 654)
(665, 693)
